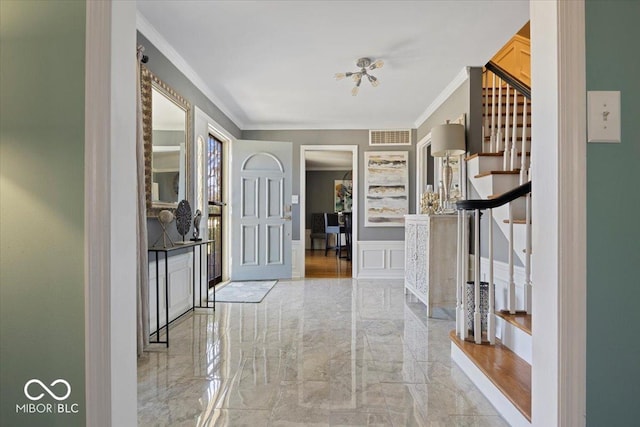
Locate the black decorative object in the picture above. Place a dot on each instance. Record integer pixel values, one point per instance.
(196, 226)
(183, 218)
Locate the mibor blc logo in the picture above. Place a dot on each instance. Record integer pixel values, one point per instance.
(35, 390)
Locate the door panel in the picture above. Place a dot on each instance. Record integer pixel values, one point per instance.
(262, 171)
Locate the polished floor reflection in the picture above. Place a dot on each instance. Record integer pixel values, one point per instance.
(320, 352)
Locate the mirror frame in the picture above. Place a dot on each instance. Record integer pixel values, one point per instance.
(148, 80)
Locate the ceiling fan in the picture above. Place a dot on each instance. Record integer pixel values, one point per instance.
(365, 65)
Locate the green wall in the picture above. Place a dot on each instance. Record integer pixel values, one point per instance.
(613, 229)
(41, 207)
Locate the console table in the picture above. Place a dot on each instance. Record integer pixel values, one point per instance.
(201, 244)
(430, 259)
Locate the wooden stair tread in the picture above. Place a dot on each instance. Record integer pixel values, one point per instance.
(480, 175)
(505, 369)
(498, 154)
(520, 320)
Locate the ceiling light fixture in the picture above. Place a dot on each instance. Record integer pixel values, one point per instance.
(364, 64)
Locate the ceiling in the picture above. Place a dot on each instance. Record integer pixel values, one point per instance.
(328, 160)
(271, 64)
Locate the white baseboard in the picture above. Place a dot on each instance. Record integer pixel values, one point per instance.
(508, 411)
(380, 259)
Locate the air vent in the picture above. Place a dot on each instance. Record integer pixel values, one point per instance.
(390, 137)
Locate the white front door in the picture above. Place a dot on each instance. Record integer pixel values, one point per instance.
(261, 210)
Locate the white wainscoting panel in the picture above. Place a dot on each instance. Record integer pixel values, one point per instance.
(380, 259)
(501, 280)
(297, 258)
(180, 293)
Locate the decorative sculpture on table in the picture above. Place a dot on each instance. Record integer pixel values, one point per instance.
(196, 226)
(183, 218)
(164, 218)
(429, 203)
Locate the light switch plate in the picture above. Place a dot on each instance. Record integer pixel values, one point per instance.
(294, 199)
(603, 116)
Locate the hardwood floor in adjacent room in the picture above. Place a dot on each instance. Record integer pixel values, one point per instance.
(316, 264)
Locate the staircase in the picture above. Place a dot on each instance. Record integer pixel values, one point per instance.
(493, 336)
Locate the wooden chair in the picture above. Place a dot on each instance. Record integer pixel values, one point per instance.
(348, 219)
(332, 226)
(317, 228)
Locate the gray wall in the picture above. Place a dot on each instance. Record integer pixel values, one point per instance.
(613, 231)
(167, 72)
(467, 100)
(320, 192)
(42, 62)
(340, 137)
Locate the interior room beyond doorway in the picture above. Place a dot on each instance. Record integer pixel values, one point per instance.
(327, 174)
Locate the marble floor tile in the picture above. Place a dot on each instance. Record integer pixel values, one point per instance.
(322, 352)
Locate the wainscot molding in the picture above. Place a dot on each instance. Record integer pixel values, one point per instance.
(180, 292)
(501, 281)
(380, 259)
(297, 259)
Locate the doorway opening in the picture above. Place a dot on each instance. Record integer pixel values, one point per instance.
(328, 185)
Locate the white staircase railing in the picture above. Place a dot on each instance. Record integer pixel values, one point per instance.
(480, 302)
(504, 139)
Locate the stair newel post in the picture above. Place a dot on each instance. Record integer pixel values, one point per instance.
(493, 115)
(477, 317)
(491, 323)
(511, 293)
(507, 155)
(465, 271)
(523, 169)
(499, 127)
(460, 277)
(514, 136)
(527, 264)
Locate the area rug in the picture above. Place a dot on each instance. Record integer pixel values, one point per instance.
(248, 291)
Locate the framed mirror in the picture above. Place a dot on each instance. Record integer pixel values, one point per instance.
(166, 118)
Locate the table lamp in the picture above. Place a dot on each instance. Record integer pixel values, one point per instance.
(447, 140)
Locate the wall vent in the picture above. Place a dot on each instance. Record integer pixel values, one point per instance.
(390, 137)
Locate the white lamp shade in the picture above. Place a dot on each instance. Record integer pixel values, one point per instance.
(447, 139)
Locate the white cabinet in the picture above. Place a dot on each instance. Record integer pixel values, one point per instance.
(430, 259)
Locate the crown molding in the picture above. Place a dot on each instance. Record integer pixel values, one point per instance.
(150, 32)
(457, 81)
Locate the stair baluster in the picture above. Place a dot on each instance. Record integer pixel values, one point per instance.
(527, 264)
(506, 154)
(523, 169)
(514, 137)
(461, 276)
(485, 127)
(511, 292)
(491, 320)
(499, 127)
(477, 318)
(493, 116)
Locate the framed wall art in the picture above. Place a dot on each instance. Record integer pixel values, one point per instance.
(342, 195)
(386, 187)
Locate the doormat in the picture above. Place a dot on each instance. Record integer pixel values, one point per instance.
(248, 291)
